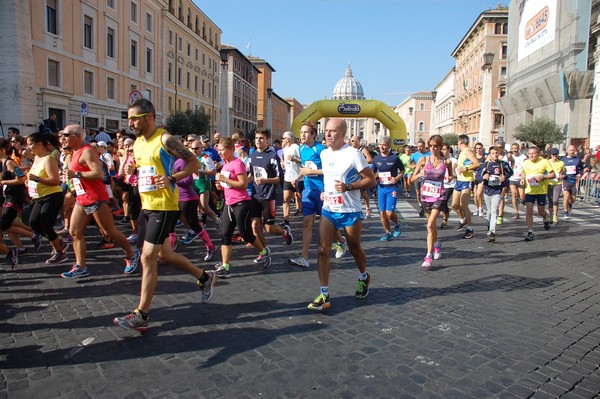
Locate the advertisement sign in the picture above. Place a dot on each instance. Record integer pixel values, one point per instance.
(537, 27)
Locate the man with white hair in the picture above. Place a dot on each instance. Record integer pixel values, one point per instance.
(291, 164)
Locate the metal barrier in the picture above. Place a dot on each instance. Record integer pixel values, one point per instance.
(589, 188)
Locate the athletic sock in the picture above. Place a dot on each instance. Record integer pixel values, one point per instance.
(325, 290)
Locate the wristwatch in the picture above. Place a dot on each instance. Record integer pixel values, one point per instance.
(173, 179)
(78, 175)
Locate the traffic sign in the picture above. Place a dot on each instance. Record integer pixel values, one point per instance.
(83, 109)
(135, 95)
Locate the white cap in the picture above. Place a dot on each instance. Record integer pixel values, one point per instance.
(101, 144)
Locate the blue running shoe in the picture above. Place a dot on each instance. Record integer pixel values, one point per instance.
(397, 230)
(386, 237)
(132, 263)
(76, 272)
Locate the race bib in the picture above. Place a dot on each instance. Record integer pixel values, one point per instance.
(334, 200)
(516, 175)
(494, 180)
(533, 182)
(147, 179)
(259, 172)
(196, 176)
(32, 188)
(385, 178)
(77, 186)
(225, 173)
(571, 169)
(431, 189)
(311, 165)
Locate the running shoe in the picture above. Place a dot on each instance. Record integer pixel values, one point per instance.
(529, 236)
(22, 251)
(174, 241)
(476, 213)
(189, 238)
(264, 260)
(555, 219)
(221, 271)
(461, 225)
(210, 253)
(103, 244)
(397, 230)
(427, 262)
(132, 238)
(237, 238)
(491, 238)
(63, 232)
(481, 212)
(386, 237)
(547, 225)
(499, 220)
(437, 250)
(299, 261)
(516, 217)
(362, 288)
(444, 224)
(368, 214)
(76, 272)
(567, 216)
(13, 257)
(340, 248)
(132, 263)
(56, 258)
(288, 237)
(468, 233)
(207, 287)
(124, 220)
(133, 321)
(36, 240)
(321, 302)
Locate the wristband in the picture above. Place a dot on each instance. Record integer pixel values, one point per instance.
(78, 175)
(173, 179)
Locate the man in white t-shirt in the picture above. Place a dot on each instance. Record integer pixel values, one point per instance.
(291, 165)
(345, 172)
(517, 190)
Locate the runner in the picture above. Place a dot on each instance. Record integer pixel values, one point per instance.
(536, 172)
(517, 190)
(389, 171)
(478, 187)
(467, 163)
(356, 143)
(155, 151)
(345, 172)
(414, 160)
(432, 170)
(291, 162)
(405, 158)
(573, 172)
(555, 185)
(86, 175)
(449, 182)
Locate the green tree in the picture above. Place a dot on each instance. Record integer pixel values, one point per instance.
(181, 123)
(540, 132)
(450, 138)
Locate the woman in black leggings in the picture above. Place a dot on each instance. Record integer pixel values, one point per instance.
(44, 188)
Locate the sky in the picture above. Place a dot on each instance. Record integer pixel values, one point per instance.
(394, 47)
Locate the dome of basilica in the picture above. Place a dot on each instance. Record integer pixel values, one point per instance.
(348, 88)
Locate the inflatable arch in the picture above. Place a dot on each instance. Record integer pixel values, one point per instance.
(354, 109)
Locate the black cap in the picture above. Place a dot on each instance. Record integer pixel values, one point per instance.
(553, 151)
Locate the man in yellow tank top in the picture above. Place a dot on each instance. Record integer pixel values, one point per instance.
(155, 152)
(466, 164)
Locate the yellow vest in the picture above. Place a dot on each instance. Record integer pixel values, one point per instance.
(38, 169)
(152, 159)
(463, 162)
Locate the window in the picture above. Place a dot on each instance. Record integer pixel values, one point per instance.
(170, 72)
(110, 4)
(180, 44)
(110, 43)
(133, 54)
(187, 81)
(421, 126)
(110, 88)
(88, 82)
(196, 83)
(149, 60)
(170, 37)
(53, 73)
(149, 22)
(134, 12)
(51, 16)
(196, 54)
(87, 31)
(179, 76)
(189, 49)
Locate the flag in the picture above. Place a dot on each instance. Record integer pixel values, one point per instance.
(249, 43)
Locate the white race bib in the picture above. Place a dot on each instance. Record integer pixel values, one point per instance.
(571, 169)
(385, 178)
(76, 183)
(225, 173)
(494, 180)
(431, 188)
(32, 188)
(147, 179)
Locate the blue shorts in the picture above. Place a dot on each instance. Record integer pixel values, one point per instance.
(311, 202)
(341, 220)
(387, 197)
(463, 185)
(540, 198)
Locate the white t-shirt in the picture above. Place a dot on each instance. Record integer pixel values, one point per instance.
(447, 182)
(292, 168)
(343, 165)
(518, 167)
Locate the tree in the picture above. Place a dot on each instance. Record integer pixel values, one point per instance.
(182, 123)
(540, 132)
(450, 138)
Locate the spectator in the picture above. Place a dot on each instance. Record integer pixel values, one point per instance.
(102, 136)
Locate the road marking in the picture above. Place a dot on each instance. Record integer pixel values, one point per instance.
(79, 348)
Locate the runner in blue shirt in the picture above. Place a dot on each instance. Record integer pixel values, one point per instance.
(573, 171)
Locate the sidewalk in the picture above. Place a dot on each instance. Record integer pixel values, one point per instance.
(508, 320)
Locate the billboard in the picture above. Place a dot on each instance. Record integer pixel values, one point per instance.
(537, 27)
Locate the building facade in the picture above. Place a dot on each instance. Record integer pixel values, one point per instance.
(442, 117)
(487, 35)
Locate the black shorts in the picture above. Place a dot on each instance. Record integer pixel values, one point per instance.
(298, 189)
(154, 226)
(264, 209)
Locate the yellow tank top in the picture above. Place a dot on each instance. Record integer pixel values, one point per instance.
(152, 160)
(38, 190)
(463, 162)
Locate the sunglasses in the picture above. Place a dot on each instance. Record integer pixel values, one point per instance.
(67, 134)
(136, 117)
(196, 148)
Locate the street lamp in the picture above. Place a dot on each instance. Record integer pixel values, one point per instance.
(224, 109)
(269, 111)
(411, 131)
(485, 118)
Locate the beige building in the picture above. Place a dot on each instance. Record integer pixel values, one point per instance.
(191, 60)
(488, 34)
(416, 112)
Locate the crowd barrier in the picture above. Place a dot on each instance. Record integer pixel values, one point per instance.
(589, 188)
